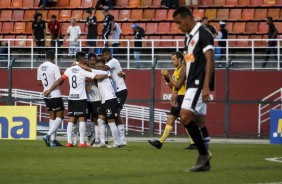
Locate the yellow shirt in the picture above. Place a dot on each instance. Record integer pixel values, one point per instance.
(175, 77)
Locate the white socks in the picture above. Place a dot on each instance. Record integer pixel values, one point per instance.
(121, 132)
(69, 132)
(82, 130)
(102, 129)
(53, 126)
(96, 133)
(115, 133)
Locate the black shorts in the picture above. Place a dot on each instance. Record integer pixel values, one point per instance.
(109, 109)
(121, 98)
(91, 41)
(77, 108)
(54, 104)
(93, 109)
(176, 110)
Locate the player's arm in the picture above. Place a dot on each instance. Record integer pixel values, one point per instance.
(39, 83)
(84, 67)
(166, 78)
(102, 76)
(121, 74)
(182, 77)
(209, 55)
(58, 82)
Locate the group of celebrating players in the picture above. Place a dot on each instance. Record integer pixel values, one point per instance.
(97, 92)
(102, 83)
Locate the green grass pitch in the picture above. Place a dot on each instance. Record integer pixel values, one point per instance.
(33, 162)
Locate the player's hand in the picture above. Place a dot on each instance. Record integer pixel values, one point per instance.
(47, 93)
(121, 74)
(164, 72)
(173, 100)
(206, 94)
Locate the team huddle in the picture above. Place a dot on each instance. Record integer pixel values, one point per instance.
(97, 92)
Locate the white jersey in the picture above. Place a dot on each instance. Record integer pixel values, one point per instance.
(92, 92)
(119, 83)
(48, 73)
(77, 78)
(74, 32)
(105, 87)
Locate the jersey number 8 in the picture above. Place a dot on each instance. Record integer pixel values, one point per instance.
(74, 84)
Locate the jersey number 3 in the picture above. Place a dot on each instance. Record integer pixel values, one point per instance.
(74, 84)
(45, 83)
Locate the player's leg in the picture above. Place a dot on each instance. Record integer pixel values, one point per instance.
(101, 126)
(89, 123)
(48, 104)
(121, 97)
(82, 131)
(96, 108)
(192, 144)
(72, 121)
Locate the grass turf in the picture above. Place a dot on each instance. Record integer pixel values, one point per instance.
(33, 162)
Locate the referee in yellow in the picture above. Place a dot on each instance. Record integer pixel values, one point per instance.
(177, 60)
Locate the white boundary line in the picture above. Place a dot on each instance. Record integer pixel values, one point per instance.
(275, 159)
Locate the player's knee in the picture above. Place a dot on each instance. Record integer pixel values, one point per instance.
(185, 117)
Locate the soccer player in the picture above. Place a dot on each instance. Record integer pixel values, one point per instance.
(77, 105)
(108, 25)
(177, 60)
(199, 63)
(91, 22)
(47, 74)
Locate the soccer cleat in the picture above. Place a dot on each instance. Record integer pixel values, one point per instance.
(70, 145)
(101, 145)
(82, 145)
(156, 143)
(107, 142)
(53, 144)
(191, 147)
(123, 143)
(57, 143)
(207, 167)
(200, 164)
(46, 139)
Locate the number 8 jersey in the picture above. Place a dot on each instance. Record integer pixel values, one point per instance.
(48, 73)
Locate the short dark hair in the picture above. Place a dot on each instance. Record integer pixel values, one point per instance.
(80, 56)
(205, 18)
(36, 15)
(178, 55)
(89, 11)
(106, 50)
(270, 18)
(99, 60)
(50, 55)
(92, 54)
(53, 16)
(183, 11)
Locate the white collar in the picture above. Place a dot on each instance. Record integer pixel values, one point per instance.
(194, 30)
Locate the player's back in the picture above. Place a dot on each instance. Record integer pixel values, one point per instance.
(48, 73)
(93, 93)
(115, 67)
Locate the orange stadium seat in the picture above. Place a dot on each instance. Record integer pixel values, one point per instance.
(114, 13)
(244, 2)
(84, 17)
(264, 43)
(260, 14)
(148, 14)
(278, 2)
(10, 37)
(256, 43)
(7, 27)
(251, 27)
(219, 2)
(231, 2)
(44, 14)
(134, 3)
(239, 27)
(156, 3)
(174, 28)
(0, 25)
(136, 14)
(65, 15)
(160, 14)
(166, 43)
(28, 28)
(28, 15)
(124, 44)
(229, 26)
(64, 28)
(269, 2)
(86, 3)
(28, 4)
(206, 2)
(126, 28)
(274, 13)
(78, 14)
(262, 28)
(17, 3)
(198, 14)
(232, 43)
(156, 43)
(248, 14)
(82, 26)
(278, 26)
(100, 28)
(170, 14)
(19, 27)
(181, 43)
(124, 15)
(256, 2)
(5, 3)
(151, 28)
(75, 3)
(18, 15)
(83, 43)
(143, 25)
(146, 3)
(20, 43)
(100, 15)
(35, 4)
(182, 3)
(63, 3)
(235, 14)
(28, 43)
(6, 14)
(211, 13)
(53, 12)
(164, 27)
(242, 43)
(222, 14)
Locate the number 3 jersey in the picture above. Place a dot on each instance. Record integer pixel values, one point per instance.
(77, 76)
(48, 73)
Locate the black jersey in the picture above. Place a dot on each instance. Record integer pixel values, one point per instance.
(197, 42)
(92, 28)
(39, 28)
(108, 22)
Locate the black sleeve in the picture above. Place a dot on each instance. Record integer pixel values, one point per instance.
(44, 24)
(213, 30)
(273, 28)
(206, 40)
(33, 27)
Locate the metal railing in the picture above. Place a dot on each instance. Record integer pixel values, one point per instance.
(136, 117)
(264, 109)
(243, 53)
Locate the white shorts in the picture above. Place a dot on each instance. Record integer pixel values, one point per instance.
(193, 101)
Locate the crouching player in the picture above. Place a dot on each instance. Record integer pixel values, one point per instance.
(47, 74)
(77, 105)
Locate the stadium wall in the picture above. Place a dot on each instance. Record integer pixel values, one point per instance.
(244, 86)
